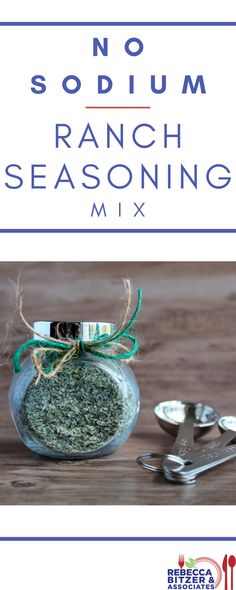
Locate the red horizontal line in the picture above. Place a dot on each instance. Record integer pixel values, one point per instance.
(117, 107)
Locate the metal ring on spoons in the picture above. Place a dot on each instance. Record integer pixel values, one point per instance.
(159, 456)
(184, 419)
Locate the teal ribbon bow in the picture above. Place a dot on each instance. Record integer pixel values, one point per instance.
(71, 347)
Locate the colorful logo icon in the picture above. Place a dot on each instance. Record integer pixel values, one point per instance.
(202, 572)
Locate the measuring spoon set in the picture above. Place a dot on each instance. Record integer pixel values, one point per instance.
(187, 421)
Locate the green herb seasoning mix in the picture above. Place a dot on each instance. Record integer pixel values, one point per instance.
(79, 410)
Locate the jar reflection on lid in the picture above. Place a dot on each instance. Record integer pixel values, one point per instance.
(71, 329)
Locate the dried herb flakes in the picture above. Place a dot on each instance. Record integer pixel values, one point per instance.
(79, 410)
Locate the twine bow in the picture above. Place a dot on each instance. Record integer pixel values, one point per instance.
(66, 348)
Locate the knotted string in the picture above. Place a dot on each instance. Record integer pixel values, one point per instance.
(67, 348)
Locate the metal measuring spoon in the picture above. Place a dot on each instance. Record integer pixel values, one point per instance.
(188, 420)
(227, 423)
(184, 419)
(185, 470)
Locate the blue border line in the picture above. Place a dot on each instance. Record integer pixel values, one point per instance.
(118, 539)
(116, 231)
(118, 24)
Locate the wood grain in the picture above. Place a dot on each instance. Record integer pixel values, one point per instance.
(188, 333)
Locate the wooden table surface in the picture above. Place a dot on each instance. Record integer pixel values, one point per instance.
(188, 334)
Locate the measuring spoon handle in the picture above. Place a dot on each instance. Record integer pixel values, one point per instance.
(221, 441)
(197, 462)
(184, 442)
(211, 449)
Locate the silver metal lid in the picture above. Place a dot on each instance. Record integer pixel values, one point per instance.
(76, 330)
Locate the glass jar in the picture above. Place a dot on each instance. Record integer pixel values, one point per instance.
(88, 409)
